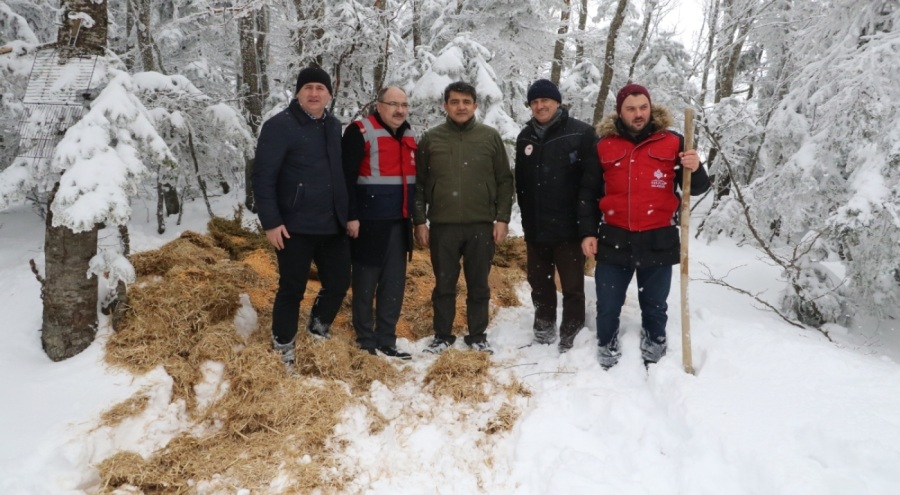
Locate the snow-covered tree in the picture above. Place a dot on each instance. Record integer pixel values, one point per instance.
(464, 59)
(825, 190)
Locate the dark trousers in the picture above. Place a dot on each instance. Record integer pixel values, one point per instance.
(331, 254)
(653, 290)
(568, 260)
(474, 244)
(384, 284)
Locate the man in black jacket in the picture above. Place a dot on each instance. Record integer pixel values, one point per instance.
(379, 163)
(551, 154)
(301, 198)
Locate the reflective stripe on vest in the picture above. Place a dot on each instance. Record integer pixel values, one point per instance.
(372, 131)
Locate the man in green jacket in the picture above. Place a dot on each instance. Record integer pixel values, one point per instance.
(465, 191)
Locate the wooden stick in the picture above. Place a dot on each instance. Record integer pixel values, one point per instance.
(685, 235)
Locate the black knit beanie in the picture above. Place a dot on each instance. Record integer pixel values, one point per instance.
(313, 75)
(542, 88)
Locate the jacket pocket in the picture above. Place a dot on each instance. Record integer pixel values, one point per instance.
(663, 151)
(298, 197)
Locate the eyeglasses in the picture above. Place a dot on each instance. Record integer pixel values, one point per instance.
(395, 104)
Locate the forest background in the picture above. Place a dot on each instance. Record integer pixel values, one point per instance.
(795, 101)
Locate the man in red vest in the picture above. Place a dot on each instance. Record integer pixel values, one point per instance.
(379, 164)
(627, 217)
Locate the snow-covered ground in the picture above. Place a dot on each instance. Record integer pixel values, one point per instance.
(772, 409)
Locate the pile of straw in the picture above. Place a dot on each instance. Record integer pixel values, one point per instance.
(268, 423)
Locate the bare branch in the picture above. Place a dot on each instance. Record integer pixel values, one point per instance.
(711, 279)
(37, 274)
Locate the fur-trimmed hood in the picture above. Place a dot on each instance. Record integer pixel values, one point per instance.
(659, 116)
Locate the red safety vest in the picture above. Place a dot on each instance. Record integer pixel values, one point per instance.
(387, 160)
(639, 181)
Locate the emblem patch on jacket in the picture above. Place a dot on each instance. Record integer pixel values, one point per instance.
(659, 182)
(528, 150)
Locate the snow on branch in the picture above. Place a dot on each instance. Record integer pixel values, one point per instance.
(101, 158)
(15, 26)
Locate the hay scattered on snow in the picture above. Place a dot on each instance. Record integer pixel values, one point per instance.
(460, 375)
(504, 419)
(267, 424)
(131, 406)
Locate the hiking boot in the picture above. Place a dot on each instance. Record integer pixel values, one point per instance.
(319, 330)
(481, 347)
(652, 349)
(286, 351)
(608, 356)
(544, 332)
(392, 351)
(567, 338)
(437, 346)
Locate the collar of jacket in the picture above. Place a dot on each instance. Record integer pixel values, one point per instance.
(559, 119)
(660, 119)
(461, 128)
(302, 116)
(399, 133)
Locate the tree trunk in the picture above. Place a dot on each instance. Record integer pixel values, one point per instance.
(130, 14)
(72, 33)
(313, 11)
(70, 296)
(200, 181)
(712, 14)
(645, 33)
(144, 39)
(737, 26)
(380, 71)
(579, 41)
(609, 59)
(417, 26)
(559, 47)
(160, 204)
(253, 87)
(117, 299)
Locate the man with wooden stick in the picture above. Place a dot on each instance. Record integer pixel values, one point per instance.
(627, 217)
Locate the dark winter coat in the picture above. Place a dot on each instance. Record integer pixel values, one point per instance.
(376, 207)
(298, 179)
(548, 173)
(630, 202)
(463, 175)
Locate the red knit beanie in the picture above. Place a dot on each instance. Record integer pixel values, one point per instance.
(631, 89)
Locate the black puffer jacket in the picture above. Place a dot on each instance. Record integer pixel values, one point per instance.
(548, 174)
(298, 178)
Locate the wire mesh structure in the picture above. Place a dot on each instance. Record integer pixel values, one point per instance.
(58, 89)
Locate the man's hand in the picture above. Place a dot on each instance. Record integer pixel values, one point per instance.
(277, 236)
(421, 235)
(589, 246)
(690, 160)
(353, 229)
(500, 231)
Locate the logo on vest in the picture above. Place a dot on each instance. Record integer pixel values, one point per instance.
(528, 150)
(659, 181)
